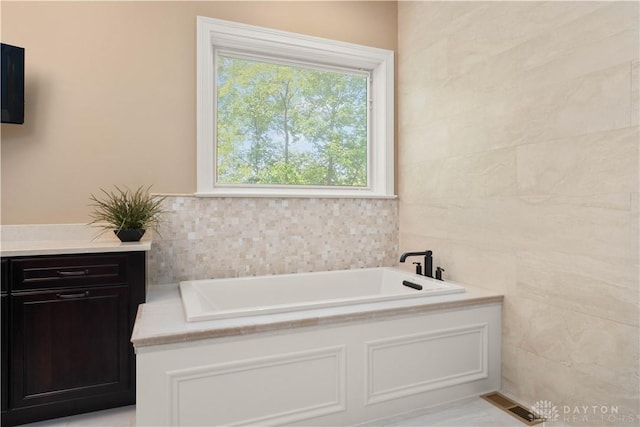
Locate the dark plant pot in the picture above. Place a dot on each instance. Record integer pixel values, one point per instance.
(132, 235)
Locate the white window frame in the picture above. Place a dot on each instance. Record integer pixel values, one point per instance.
(215, 34)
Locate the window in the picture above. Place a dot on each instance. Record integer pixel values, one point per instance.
(284, 114)
(289, 124)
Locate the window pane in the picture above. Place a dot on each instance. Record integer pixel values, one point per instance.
(290, 125)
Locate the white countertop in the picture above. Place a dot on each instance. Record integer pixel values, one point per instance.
(161, 320)
(58, 247)
(57, 239)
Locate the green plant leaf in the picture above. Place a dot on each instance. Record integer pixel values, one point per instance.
(123, 209)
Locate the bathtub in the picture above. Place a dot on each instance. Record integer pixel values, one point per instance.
(313, 349)
(250, 296)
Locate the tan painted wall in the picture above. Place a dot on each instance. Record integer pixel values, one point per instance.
(518, 166)
(110, 92)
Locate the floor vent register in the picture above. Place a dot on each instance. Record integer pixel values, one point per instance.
(512, 408)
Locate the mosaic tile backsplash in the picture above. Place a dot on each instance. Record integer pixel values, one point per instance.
(203, 238)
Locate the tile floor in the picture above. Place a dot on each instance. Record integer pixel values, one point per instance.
(117, 417)
(473, 412)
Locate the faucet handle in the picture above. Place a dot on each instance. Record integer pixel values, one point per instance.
(439, 271)
(418, 267)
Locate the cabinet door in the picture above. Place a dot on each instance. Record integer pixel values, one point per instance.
(69, 344)
(4, 326)
(4, 272)
(4, 312)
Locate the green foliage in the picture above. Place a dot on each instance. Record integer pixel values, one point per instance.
(281, 124)
(127, 210)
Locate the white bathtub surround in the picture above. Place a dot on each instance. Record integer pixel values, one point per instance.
(327, 366)
(220, 237)
(57, 239)
(518, 147)
(246, 296)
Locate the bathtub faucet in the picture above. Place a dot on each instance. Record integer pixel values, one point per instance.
(428, 262)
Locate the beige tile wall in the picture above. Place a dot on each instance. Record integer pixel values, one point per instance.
(205, 238)
(518, 165)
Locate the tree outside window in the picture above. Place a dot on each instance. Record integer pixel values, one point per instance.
(283, 124)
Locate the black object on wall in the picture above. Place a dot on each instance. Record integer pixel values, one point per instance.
(12, 91)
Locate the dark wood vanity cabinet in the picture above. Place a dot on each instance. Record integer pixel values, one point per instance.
(4, 326)
(69, 319)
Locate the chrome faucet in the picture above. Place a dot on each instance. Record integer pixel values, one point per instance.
(428, 262)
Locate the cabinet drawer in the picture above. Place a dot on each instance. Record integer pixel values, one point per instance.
(64, 271)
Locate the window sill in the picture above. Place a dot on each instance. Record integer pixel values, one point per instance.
(303, 193)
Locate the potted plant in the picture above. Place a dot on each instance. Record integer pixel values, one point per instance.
(128, 213)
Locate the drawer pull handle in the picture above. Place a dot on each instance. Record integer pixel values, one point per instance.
(73, 273)
(72, 296)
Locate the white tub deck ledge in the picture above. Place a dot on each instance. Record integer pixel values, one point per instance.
(341, 365)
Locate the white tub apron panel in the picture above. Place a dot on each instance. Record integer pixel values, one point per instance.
(337, 374)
